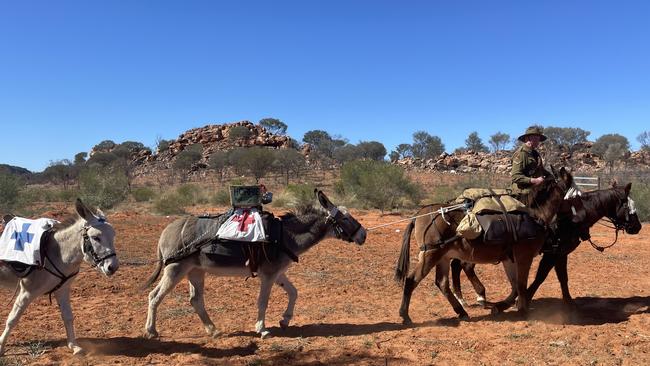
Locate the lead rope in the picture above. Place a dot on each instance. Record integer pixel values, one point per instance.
(440, 211)
(602, 249)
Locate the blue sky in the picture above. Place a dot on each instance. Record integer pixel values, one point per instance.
(73, 73)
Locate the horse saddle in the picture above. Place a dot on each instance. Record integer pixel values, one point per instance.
(507, 228)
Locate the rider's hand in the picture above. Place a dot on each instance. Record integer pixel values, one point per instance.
(536, 181)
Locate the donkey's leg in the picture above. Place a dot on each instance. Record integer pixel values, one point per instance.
(427, 260)
(196, 279)
(23, 300)
(563, 277)
(468, 268)
(266, 284)
(63, 299)
(456, 267)
(547, 262)
(172, 274)
(292, 294)
(442, 281)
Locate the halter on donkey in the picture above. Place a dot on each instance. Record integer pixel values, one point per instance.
(299, 233)
(439, 244)
(89, 238)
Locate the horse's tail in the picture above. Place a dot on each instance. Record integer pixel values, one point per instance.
(155, 274)
(404, 256)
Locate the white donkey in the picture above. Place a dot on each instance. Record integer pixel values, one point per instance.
(90, 238)
(300, 232)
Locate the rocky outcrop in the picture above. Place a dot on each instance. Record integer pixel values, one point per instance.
(579, 159)
(213, 138)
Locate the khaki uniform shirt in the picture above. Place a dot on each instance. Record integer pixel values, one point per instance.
(526, 164)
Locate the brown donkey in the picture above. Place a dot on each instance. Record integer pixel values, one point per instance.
(436, 236)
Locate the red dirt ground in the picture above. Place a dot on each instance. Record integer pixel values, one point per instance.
(347, 312)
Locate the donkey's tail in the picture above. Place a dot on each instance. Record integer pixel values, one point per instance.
(155, 274)
(402, 267)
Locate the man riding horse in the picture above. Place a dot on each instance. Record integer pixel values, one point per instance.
(527, 167)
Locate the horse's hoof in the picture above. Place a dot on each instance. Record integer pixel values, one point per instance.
(78, 351)
(463, 317)
(264, 334)
(494, 310)
(406, 320)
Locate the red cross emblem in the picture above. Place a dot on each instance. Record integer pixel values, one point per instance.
(244, 220)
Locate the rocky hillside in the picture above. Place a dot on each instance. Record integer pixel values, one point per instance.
(213, 138)
(579, 159)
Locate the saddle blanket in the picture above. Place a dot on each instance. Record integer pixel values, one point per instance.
(245, 224)
(21, 240)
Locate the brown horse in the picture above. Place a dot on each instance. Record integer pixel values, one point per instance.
(575, 217)
(439, 243)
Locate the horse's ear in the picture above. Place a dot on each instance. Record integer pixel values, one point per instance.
(628, 187)
(324, 201)
(83, 210)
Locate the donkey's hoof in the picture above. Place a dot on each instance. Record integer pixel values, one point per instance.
(150, 334)
(78, 351)
(284, 324)
(406, 320)
(265, 333)
(463, 317)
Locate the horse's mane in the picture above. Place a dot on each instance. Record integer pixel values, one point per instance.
(65, 223)
(603, 197)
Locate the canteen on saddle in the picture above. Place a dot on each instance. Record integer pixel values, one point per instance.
(496, 215)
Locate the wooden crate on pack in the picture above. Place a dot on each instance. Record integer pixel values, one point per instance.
(245, 196)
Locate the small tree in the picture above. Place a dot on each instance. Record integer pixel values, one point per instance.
(371, 150)
(565, 137)
(80, 158)
(105, 146)
(644, 140)
(237, 133)
(498, 141)
(256, 161)
(288, 161)
(60, 172)
(219, 162)
(186, 159)
(614, 153)
(473, 142)
(602, 144)
(103, 186)
(347, 153)
(274, 126)
(162, 145)
(426, 146)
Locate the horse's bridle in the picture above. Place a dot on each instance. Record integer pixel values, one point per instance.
(343, 228)
(617, 225)
(87, 247)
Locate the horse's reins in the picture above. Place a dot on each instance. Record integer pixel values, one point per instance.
(616, 226)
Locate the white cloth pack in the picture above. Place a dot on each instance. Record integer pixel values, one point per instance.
(21, 240)
(245, 224)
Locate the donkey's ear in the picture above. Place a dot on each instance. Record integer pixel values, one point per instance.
(324, 201)
(628, 187)
(83, 210)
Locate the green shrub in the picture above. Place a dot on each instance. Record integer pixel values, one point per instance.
(103, 186)
(143, 194)
(169, 204)
(221, 198)
(10, 188)
(641, 196)
(378, 184)
(299, 195)
(191, 194)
